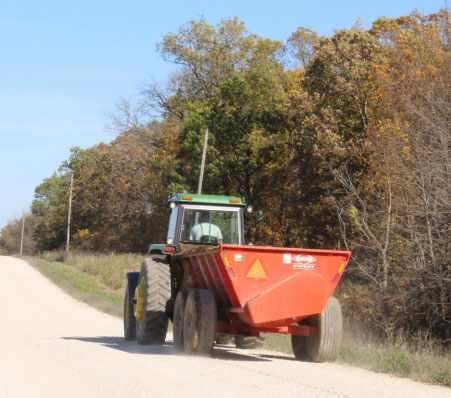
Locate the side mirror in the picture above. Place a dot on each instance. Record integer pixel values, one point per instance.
(149, 208)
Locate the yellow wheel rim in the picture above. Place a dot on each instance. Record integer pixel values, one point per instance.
(139, 300)
(127, 307)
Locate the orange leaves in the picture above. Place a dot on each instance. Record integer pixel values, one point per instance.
(112, 188)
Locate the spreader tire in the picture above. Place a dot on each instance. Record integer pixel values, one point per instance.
(325, 344)
(199, 322)
(177, 319)
(129, 316)
(151, 295)
(249, 342)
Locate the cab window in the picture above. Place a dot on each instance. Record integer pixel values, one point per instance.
(210, 226)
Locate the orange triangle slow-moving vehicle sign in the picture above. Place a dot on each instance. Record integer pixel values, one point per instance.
(257, 271)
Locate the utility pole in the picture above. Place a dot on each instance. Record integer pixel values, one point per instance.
(202, 165)
(21, 239)
(68, 213)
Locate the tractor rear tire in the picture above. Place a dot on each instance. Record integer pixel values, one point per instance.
(177, 319)
(151, 295)
(129, 316)
(325, 345)
(199, 322)
(249, 342)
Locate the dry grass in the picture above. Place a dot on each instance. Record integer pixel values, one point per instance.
(108, 269)
(427, 365)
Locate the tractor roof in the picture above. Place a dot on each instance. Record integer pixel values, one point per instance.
(210, 199)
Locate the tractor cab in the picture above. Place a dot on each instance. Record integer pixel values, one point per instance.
(205, 219)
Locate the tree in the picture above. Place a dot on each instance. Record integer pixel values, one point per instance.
(10, 236)
(302, 45)
(50, 206)
(207, 56)
(116, 187)
(398, 223)
(232, 82)
(329, 113)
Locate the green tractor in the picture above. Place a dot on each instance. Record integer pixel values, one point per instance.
(196, 221)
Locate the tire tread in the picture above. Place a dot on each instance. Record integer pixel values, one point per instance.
(155, 322)
(325, 345)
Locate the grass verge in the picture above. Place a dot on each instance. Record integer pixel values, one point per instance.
(80, 285)
(422, 366)
(383, 358)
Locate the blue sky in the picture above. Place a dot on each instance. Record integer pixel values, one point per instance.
(65, 64)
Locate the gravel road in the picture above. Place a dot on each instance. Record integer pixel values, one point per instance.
(54, 346)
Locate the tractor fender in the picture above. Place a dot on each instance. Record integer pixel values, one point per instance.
(156, 248)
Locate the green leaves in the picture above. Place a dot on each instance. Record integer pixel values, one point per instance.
(302, 45)
(208, 56)
(51, 206)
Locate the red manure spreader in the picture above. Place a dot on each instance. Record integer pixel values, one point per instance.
(214, 288)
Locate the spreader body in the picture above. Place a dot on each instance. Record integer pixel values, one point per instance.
(263, 288)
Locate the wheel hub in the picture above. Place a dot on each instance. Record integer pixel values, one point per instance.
(139, 301)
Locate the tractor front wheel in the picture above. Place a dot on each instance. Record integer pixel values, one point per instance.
(325, 344)
(129, 316)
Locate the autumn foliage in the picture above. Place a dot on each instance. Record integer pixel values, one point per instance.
(343, 142)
